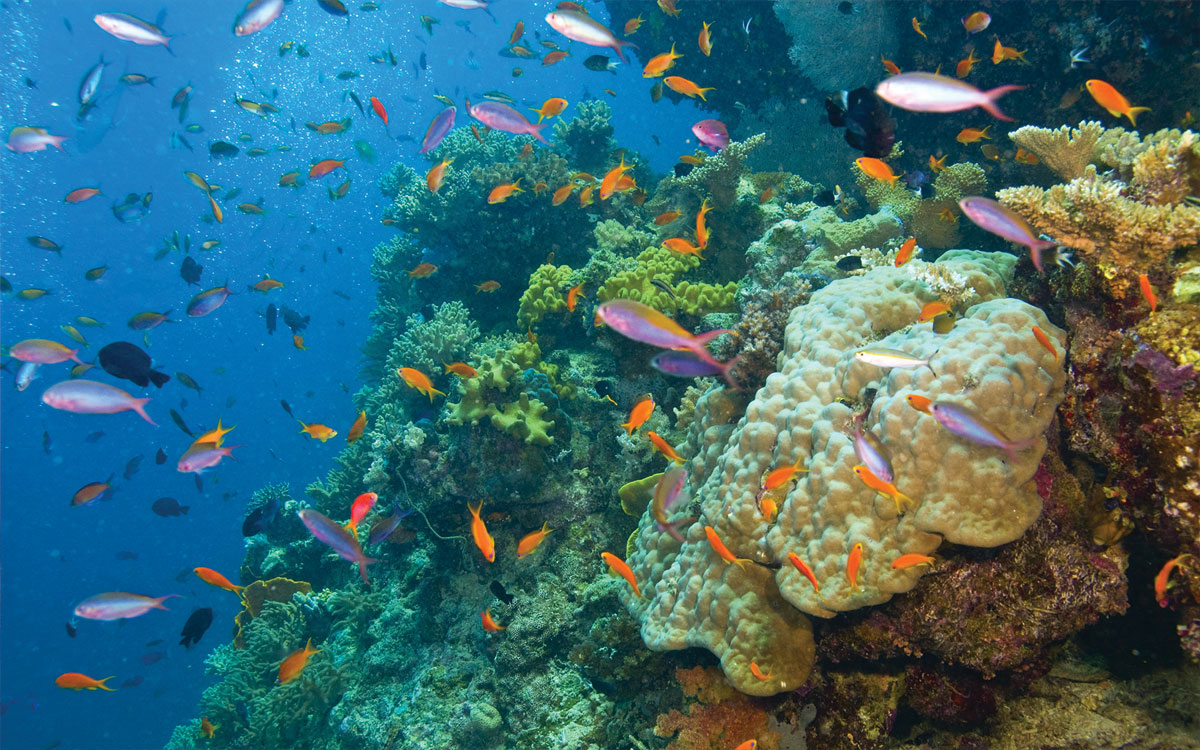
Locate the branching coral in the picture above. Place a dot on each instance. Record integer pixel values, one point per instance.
(925, 217)
(1066, 150)
(586, 139)
(429, 344)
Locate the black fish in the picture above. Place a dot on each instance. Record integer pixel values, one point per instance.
(94, 436)
(169, 507)
(825, 198)
(260, 518)
(153, 643)
(339, 293)
(272, 313)
(126, 361)
(222, 149)
(71, 630)
(850, 263)
(190, 270)
(199, 483)
(601, 63)
(357, 103)
(287, 408)
(46, 440)
(178, 420)
(131, 468)
(868, 127)
(197, 623)
(683, 170)
(123, 555)
(133, 681)
(160, 458)
(294, 320)
(334, 7)
(500, 593)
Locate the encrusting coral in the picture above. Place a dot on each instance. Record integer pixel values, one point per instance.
(962, 492)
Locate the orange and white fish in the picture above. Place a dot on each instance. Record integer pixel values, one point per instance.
(291, 667)
(723, 551)
(976, 22)
(530, 541)
(638, 415)
(479, 532)
(418, 380)
(489, 624)
(621, 568)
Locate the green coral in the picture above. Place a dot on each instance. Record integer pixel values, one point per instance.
(659, 263)
(523, 419)
(586, 139)
(924, 217)
(544, 294)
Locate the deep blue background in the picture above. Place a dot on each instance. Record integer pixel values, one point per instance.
(53, 554)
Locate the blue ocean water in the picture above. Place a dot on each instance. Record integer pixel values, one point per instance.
(54, 554)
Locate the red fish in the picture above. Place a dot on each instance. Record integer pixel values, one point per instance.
(377, 108)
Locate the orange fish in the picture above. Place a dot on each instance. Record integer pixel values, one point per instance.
(963, 68)
(877, 169)
(359, 509)
(768, 507)
(660, 64)
(766, 195)
(609, 184)
(621, 568)
(573, 296)
(266, 285)
(89, 492)
(560, 196)
(805, 571)
(291, 667)
(317, 431)
(632, 25)
(526, 152)
(683, 247)
(324, 167)
(910, 561)
(378, 108)
(917, 28)
(947, 216)
(414, 378)
(668, 7)
(905, 253)
(705, 40)
(1000, 53)
(551, 107)
(747, 745)
(701, 227)
(539, 187)
(1147, 291)
(461, 369)
(852, 564)
(436, 175)
(213, 578)
(667, 217)
(1111, 100)
(976, 22)
(556, 56)
(1160, 580)
(889, 66)
(1025, 157)
(723, 551)
(530, 541)
(1044, 340)
(216, 436)
(638, 415)
(885, 488)
(475, 130)
(664, 447)
(501, 193)
(920, 403)
(758, 674)
(971, 135)
(79, 195)
(487, 286)
(932, 310)
(681, 85)
(356, 429)
(585, 195)
(483, 540)
(216, 210)
(695, 161)
(517, 31)
(207, 728)
(783, 475)
(489, 624)
(298, 342)
(422, 271)
(937, 165)
(79, 681)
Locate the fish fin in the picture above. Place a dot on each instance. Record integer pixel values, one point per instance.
(100, 684)
(139, 406)
(992, 95)
(1133, 113)
(159, 378)
(616, 47)
(184, 509)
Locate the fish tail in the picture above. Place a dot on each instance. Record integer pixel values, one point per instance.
(100, 684)
(362, 567)
(726, 370)
(1132, 115)
(703, 339)
(616, 47)
(536, 132)
(476, 509)
(139, 406)
(158, 602)
(992, 95)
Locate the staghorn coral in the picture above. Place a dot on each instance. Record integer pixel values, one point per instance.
(1065, 150)
(718, 178)
(963, 492)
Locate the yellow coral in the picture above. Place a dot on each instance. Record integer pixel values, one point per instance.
(659, 263)
(544, 294)
(1067, 151)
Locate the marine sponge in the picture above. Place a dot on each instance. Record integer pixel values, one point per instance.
(963, 492)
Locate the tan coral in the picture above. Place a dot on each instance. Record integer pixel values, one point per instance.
(1066, 151)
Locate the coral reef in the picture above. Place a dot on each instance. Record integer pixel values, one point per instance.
(1065, 150)
(925, 217)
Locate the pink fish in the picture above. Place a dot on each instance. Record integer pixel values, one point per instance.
(581, 27)
(129, 28)
(90, 397)
(208, 301)
(24, 139)
(438, 129)
(647, 325)
(712, 133)
(667, 492)
(117, 605)
(42, 352)
(969, 424)
(499, 116)
(336, 536)
(468, 5)
(1004, 222)
(198, 461)
(256, 16)
(929, 92)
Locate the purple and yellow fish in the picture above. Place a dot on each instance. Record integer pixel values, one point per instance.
(328, 531)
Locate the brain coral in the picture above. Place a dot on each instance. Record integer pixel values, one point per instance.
(965, 493)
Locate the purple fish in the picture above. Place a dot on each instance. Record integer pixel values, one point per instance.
(383, 529)
(336, 536)
(207, 301)
(873, 455)
(90, 397)
(24, 139)
(712, 133)
(929, 92)
(647, 325)
(970, 425)
(116, 605)
(199, 460)
(499, 116)
(686, 365)
(1006, 223)
(438, 129)
(132, 681)
(667, 491)
(132, 29)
